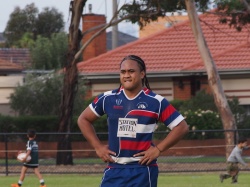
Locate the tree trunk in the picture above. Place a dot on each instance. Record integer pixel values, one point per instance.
(226, 115)
(64, 153)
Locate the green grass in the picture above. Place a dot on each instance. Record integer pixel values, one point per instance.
(190, 159)
(165, 180)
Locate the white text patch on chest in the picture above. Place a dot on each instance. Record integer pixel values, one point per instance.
(127, 127)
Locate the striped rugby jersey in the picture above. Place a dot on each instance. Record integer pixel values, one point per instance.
(33, 147)
(131, 122)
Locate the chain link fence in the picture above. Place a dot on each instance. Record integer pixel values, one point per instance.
(199, 151)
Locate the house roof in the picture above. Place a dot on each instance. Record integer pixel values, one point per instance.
(9, 67)
(174, 50)
(20, 56)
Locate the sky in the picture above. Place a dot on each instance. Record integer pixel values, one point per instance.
(98, 7)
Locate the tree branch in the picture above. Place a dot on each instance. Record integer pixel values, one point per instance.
(112, 22)
(244, 2)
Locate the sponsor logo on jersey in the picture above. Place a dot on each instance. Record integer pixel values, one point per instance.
(142, 105)
(127, 127)
(118, 101)
(118, 104)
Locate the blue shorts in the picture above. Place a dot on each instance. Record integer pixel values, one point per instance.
(130, 177)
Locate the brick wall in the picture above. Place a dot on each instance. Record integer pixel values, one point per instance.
(182, 89)
(185, 89)
(98, 45)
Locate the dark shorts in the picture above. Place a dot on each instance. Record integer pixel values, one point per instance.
(135, 177)
(28, 166)
(232, 168)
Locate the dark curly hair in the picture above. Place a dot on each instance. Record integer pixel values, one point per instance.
(142, 67)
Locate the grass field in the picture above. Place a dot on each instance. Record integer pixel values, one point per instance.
(165, 180)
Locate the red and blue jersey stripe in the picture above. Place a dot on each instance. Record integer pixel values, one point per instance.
(147, 108)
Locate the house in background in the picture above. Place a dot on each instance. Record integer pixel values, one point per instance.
(10, 76)
(14, 61)
(162, 23)
(174, 66)
(18, 56)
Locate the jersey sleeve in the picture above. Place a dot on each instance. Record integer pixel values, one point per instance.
(239, 158)
(169, 115)
(28, 146)
(97, 105)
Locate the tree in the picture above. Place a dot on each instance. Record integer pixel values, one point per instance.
(30, 20)
(235, 13)
(49, 21)
(27, 40)
(41, 54)
(213, 78)
(20, 22)
(69, 85)
(49, 53)
(59, 42)
(40, 95)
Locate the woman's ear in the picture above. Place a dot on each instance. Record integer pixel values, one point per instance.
(143, 74)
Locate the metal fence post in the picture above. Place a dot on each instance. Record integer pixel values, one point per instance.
(235, 136)
(6, 155)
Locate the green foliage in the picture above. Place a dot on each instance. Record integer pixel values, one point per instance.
(41, 54)
(145, 11)
(29, 20)
(6, 123)
(48, 123)
(22, 123)
(234, 13)
(205, 102)
(26, 41)
(100, 124)
(50, 53)
(244, 124)
(80, 103)
(59, 43)
(203, 120)
(201, 113)
(238, 111)
(41, 96)
(230, 5)
(177, 103)
(20, 22)
(49, 21)
(201, 101)
(40, 123)
(38, 96)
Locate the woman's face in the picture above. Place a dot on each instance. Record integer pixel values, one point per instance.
(131, 76)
